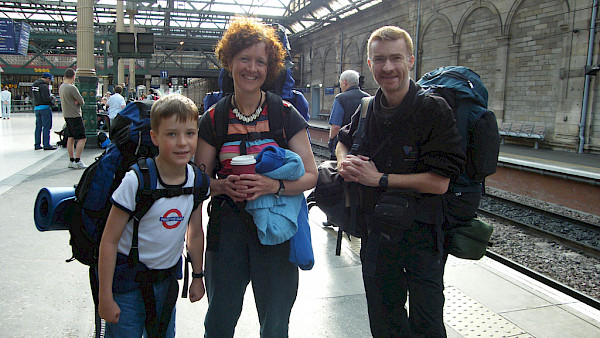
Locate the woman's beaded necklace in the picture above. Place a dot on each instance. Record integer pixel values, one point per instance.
(245, 118)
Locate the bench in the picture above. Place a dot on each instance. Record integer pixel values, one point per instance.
(530, 130)
(324, 116)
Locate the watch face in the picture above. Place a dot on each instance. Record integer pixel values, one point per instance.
(383, 181)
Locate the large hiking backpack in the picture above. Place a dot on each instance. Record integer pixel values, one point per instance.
(130, 136)
(465, 93)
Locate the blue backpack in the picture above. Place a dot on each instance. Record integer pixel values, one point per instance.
(467, 96)
(130, 140)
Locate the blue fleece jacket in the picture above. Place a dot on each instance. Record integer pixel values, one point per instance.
(276, 218)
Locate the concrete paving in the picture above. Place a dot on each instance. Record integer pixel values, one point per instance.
(43, 296)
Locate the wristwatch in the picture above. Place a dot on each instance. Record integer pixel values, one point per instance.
(281, 189)
(197, 275)
(383, 182)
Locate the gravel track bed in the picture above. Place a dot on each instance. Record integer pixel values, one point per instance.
(570, 267)
(567, 266)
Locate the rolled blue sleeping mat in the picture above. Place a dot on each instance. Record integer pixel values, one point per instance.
(50, 208)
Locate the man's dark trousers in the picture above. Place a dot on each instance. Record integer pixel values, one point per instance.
(390, 269)
(43, 124)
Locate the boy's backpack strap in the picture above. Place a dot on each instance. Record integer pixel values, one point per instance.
(276, 116)
(147, 176)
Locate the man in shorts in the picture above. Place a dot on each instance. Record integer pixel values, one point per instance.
(71, 102)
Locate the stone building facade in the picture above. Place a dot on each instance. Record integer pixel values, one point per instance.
(530, 54)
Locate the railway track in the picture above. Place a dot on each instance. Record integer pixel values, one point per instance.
(574, 233)
(570, 232)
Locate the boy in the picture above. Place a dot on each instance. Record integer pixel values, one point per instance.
(174, 129)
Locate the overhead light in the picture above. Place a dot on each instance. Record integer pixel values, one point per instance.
(61, 40)
(181, 43)
(102, 42)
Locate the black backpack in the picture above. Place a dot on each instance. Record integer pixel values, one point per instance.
(464, 91)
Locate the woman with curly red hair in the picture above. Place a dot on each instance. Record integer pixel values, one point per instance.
(235, 255)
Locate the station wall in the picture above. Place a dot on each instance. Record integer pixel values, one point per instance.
(530, 55)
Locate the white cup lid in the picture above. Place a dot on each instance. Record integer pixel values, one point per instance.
(243, 160)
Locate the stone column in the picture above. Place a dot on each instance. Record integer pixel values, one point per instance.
(119, 77)
(131, 11)
(86, 79)
(497, 97)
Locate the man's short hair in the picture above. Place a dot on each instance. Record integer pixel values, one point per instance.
(173, 104)
(118, 89)
(350, 76)
(390, 33)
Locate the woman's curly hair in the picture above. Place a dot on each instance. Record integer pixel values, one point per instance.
(244, 32)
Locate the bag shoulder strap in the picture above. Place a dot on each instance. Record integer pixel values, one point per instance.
(220, 121)
(366, 105)
(276, 121)
(276, 117)
(201, 185)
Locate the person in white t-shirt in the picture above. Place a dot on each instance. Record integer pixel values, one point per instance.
(115, 103)
(162, 230)
(5, 98)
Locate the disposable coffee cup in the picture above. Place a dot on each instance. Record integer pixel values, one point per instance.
(243, 164)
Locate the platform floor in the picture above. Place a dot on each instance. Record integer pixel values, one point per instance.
(41, 295)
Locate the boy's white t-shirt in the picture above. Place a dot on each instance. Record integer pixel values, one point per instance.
(162, 230)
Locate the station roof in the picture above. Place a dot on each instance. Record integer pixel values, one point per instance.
(190, 18)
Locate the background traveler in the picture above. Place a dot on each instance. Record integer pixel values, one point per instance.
(5, 98)
(71, 102)
(115, 103)
(344, 106)
(42, 101)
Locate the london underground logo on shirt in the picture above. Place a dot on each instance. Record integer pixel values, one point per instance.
(171, 219)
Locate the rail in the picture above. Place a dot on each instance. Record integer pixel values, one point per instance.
(21, 105)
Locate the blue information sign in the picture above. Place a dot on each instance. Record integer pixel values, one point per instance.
(7, 36)
(164, 74)
(328, 90)
(14, 37)
(22, 43)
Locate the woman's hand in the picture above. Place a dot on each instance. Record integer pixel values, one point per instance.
(256, 185)
(232, 187)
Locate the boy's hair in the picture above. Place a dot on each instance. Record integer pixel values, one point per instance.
(5, 88)
(118, 89)
(173, 104)
(390, 33)
(244, 32)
